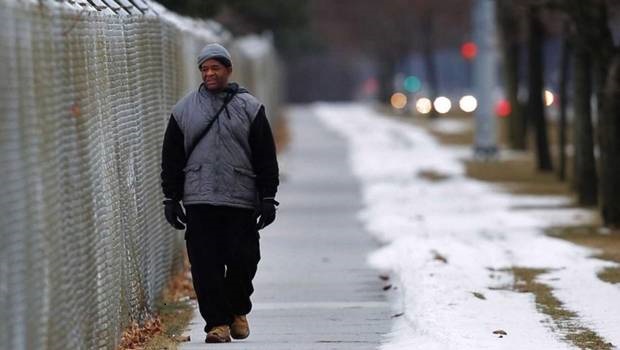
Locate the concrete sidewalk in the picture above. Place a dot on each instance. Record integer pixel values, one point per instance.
(313, 287)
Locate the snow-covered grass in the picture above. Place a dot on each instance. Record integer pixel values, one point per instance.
(458, 302)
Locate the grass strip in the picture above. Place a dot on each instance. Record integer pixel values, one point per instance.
(608, 245)
(565, 320)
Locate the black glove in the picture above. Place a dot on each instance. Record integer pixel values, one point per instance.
(267, 212)
(174, 213)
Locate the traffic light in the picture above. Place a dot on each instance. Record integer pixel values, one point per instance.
(469, 50)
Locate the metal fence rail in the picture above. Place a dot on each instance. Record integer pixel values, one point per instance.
(85, 92)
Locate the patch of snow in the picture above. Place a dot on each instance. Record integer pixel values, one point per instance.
(479, 230)
(450, 126)
(208, 30)
(255, 46)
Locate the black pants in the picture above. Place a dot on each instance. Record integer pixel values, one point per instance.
(222, 244)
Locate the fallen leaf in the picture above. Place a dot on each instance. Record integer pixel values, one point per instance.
(479, 295)
(182, 338)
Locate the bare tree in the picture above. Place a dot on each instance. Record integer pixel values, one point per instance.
(608, 91)
(563, 94)
(610, 148)
(427, 27)
(536, 107)
(508, 29)
(584, 169)
(592, 31)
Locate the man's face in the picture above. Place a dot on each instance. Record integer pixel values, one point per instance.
(214, 74)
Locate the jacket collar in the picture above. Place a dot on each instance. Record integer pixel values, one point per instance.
(231, 88)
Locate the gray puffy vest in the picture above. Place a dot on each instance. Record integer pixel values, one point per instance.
(219, 170)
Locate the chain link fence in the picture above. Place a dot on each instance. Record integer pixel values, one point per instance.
(86, 89)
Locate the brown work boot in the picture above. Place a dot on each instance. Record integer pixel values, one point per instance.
(240, 329)
(219, 334)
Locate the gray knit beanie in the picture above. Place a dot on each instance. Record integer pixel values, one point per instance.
(217, 52)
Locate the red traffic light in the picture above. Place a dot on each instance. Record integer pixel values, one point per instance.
(469, 50)
(503, 108)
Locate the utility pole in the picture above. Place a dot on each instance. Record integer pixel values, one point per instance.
(485, 78)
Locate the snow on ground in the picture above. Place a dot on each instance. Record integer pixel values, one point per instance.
(450, 126)
(475, 227)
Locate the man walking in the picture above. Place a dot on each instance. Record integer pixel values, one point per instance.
(219, 159)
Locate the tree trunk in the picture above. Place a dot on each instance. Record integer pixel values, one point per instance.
(536, 107)
(564, 77)
(602, 45)
(584, 178)
(608, 91)
(429, 60)
(387, 72)
(609, 131)
(508, 26)
(593, 33)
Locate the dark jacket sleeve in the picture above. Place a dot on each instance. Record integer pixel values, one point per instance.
(173, 161)
(264, 160)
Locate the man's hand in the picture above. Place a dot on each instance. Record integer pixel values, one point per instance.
(174, 214)
(267, 212)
